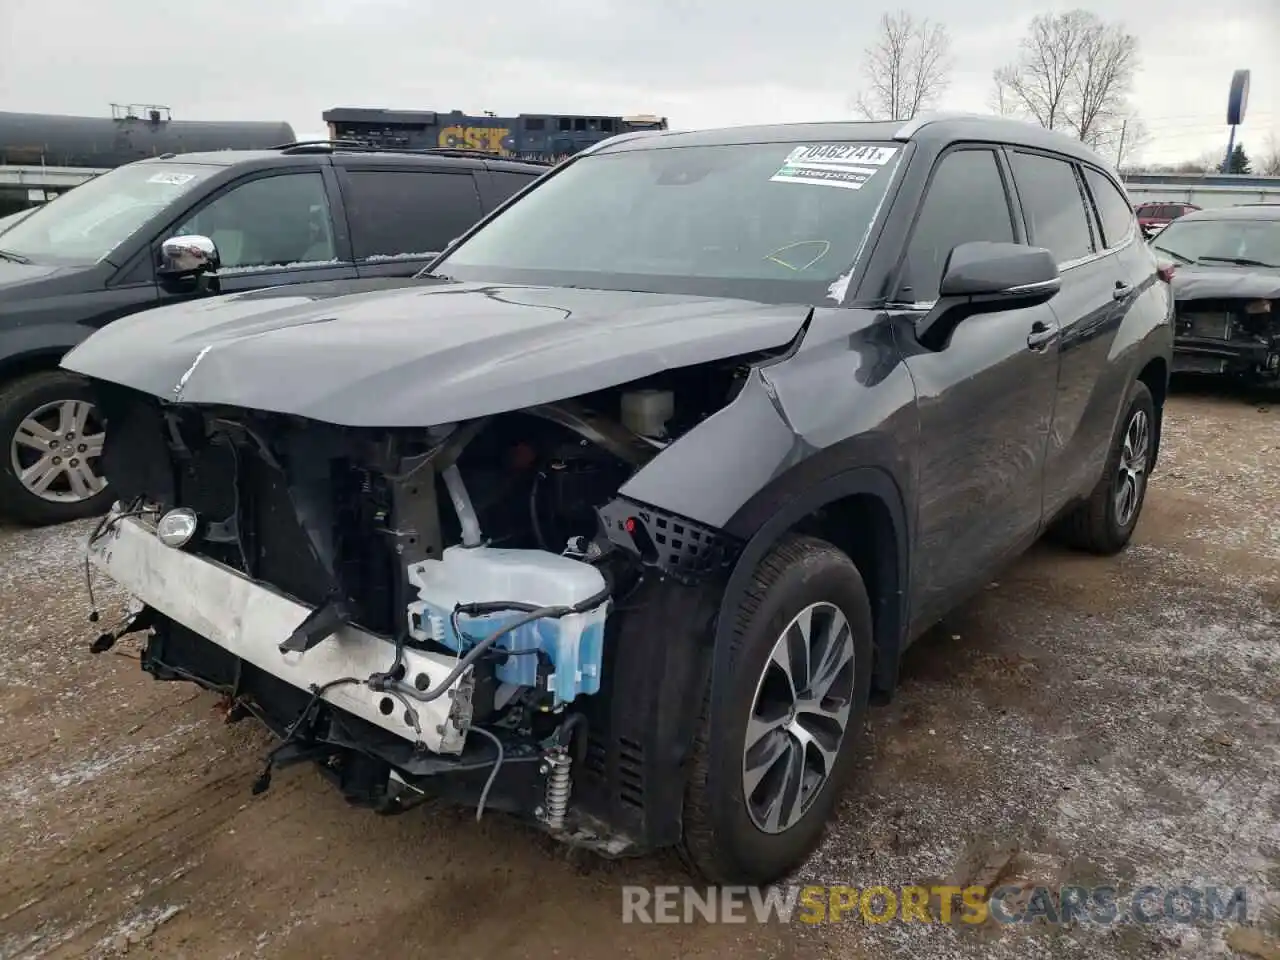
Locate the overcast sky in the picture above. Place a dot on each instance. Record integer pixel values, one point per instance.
(698, 62)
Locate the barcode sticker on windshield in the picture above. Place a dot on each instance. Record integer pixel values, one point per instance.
(844, 165)
(175, 179)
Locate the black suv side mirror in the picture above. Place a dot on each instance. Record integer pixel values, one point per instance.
(1009, 272)
(981, 276)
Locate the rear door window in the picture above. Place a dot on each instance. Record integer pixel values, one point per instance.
(965, 201)
(1113, 208)
(1053, 205)
(397, 214)
(505, 183)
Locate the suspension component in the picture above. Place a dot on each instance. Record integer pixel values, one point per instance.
(559, 783)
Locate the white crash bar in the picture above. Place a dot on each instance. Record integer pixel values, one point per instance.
(250, 621)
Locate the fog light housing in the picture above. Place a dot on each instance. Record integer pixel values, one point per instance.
(177, 527)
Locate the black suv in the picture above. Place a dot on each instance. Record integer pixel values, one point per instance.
(303, 213)
(616, 520)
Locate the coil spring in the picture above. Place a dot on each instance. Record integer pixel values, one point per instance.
(559, 784)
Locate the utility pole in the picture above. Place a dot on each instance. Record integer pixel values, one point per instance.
(1124, 127)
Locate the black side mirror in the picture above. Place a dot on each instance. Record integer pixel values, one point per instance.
(1009, 272)
(983, 276)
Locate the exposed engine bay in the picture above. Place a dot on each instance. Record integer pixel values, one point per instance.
(422, 612)
(1229, 335)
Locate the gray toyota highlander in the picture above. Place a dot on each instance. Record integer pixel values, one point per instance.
(617, 516)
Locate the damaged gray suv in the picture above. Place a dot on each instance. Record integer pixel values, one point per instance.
(618, 516)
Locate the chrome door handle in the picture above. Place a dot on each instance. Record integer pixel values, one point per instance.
(1041, 335)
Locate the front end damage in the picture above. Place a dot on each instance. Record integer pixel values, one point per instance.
(470, 611)
(1228, 335)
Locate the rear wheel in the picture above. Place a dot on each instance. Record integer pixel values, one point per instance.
(51, 438)
(1105, 522)
(770, 764)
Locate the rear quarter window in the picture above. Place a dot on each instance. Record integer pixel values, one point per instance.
(1113, 208)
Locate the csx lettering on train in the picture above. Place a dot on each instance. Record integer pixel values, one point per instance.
(488, 139)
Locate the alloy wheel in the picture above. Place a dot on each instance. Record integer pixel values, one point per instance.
(798, 718)
(55, 452)
(1132, 473)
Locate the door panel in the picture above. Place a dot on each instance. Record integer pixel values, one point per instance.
(985, 405)
(1096, 292)
(1081, 434)
(985, 398)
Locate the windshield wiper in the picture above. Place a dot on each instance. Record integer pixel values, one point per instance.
(1173, 254)
(1237, 261)
(13, 257)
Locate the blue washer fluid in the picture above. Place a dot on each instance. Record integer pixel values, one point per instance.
(573, 643)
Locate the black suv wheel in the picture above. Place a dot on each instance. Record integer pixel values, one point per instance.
(1105, 522)
(51, 437)
(769, 767)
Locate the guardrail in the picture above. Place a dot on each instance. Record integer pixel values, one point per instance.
(1207, 192)
(13, 175)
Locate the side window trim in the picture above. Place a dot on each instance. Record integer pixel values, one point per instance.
(1006, 182)
(342, 246)
(337, 214)
(1090, 211)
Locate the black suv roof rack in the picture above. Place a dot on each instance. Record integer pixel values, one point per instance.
(331, 146)
(320, 146)
(463, 152)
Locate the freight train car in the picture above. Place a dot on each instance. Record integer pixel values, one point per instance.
(529, 136)
(130, 133)
(42, 155)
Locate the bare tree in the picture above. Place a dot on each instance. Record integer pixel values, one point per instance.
(1268, 161)
(906, 69)
(1129, 136)
(1073, 73)
(1210, 161)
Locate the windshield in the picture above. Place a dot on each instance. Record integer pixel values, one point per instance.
(1240, 242)
(11, 219)
(779, 222)
(87, 222)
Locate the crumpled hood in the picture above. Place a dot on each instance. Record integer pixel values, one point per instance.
(423, 355)
(1201, 282)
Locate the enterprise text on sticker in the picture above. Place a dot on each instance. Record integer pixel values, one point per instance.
(844, 165)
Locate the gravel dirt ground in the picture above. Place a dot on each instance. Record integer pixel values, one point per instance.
(1084, 721)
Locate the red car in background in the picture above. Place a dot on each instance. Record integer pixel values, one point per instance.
(1153, 217)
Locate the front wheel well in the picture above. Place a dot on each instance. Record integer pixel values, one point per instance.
(861, 525)
(40, 361)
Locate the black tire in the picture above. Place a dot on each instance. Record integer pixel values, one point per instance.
(1095, 526)
(721, 841)
(19, 399)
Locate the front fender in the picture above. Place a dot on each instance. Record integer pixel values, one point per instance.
(834, 419)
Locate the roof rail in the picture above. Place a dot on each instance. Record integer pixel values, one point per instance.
(451, 152)
(333, 146)
(319, 146)
(911, 127)
(470, 154)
